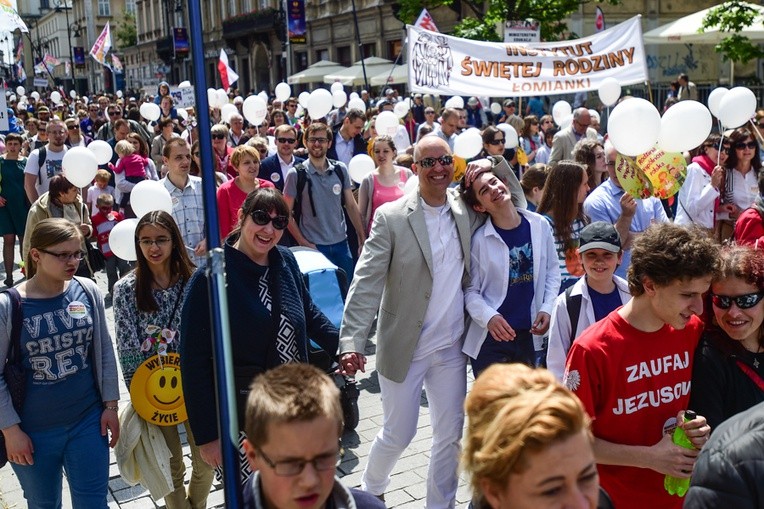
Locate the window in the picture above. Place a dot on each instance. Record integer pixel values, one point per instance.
(369, 50)
(301, 60)
(130, 6)
(104, 8)
(343, 56)
(394, 49)
(322, 54)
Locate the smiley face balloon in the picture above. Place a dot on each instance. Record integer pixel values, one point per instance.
(156, 391)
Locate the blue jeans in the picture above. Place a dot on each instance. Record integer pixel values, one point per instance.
(519, 349)
(81, 451)
(339, 255)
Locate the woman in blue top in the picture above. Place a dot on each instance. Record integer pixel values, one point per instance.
(70, 407)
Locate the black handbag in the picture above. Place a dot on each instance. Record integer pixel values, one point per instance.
(95, 258)
(13, 373)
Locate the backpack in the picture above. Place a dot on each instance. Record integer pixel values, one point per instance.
(302, 179)
(43, 155)
(573, 305)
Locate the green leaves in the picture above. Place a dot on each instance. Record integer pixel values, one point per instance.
(732, 17)
(126, 32)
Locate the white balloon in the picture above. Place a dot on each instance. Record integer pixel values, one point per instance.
(737, 107)
(339, 98)
(411, 184)
(319, 103)
(150, 111)
(150, 195)
(283, 91)
(337, 86)
(119, 93)
(609, 91)
(212, 98)
(72, 93)
(353, 95)
(595, 116)
(264, 96)
(560, 110)
(714, 98)
(299, 111)
(20, 90)
(634, 126)
(184, 84)
(566, 121)
(12, 98)
(684, 126)
(122, 239)
(510, 135)
(468, 144)
(302, 99)
(360, 166)
(79, 165)
(36, 95)
(254, 109)
(495, 108)
(455, 102)
(55, 96)
(387, 123)
(85, 99)
(102, 151)
(401, 109)
(227, 110)
(357, 104)
(221, 97)
(182, 113)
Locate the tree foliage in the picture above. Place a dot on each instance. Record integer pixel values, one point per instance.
(731, 18)
(481, 23)
(127, 31)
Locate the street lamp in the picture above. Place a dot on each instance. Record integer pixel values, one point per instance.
(61, 5)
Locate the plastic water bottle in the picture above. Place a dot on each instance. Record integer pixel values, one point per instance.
(674, 485)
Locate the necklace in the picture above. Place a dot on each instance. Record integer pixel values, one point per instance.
(160, 286)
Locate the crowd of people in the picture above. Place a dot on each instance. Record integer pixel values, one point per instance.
(591, 320)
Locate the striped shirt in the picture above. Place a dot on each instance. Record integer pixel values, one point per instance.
(188, 212)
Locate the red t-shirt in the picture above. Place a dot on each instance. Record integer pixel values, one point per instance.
(230, 199)
(633, 384)
(103, 226)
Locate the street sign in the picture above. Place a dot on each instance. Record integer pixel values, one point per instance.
(520, 31)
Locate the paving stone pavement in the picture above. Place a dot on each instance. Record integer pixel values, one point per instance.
(407, 488)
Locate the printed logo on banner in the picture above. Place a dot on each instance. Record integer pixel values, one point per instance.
(432, 60)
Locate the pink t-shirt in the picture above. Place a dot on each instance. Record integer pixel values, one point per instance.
(134, 165)
(384, 194)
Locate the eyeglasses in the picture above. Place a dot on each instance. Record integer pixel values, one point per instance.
(429, 113)
(261, 218)
(158, 242)
(291, 105)
(286, 140)
(72, 127)
(761, 126)
(429, 162)
(65, 257)
(743, 145)
(218, 136)
(497, 142)
(113, 113)
(290, 468)
(318, 140)
(746, 301)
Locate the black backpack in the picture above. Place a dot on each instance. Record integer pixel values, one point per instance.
(43, 155)
(573, 305)
(302, 179)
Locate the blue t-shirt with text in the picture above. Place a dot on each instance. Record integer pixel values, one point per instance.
(516, 308)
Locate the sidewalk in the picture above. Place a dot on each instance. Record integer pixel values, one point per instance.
(407, 488)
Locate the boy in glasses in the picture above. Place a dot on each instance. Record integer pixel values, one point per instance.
(632, 370)
(292, 443)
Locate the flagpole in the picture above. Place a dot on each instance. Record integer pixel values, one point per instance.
(221, 337)
(360, 47)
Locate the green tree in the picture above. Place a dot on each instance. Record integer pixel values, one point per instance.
(127, 31)
(551, 14)
(731, 18)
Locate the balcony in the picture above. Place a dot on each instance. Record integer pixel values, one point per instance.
(256, 22)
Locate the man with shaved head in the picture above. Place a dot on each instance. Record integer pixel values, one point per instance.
(566, 139)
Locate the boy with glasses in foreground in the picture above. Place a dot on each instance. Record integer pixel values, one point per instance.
(292, 443)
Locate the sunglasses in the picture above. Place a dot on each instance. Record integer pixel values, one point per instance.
(746, 301)
(113, 113)
(261, 218)
(743, 145)
(497, 142)
(761, 126)
(286, 140)
(429, 162)
(218, 136)
(73, 127)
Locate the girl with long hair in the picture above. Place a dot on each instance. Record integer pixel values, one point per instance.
(591, 153)
(740, 180)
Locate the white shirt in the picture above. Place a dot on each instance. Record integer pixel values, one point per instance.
(745, 189)
(51, 167)
(444, 319)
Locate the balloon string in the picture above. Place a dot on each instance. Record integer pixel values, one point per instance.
(756, 131)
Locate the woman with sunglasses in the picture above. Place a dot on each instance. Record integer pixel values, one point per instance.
(270, 312)
(740, 180)
(71, 384)
(699, 195)
(146, 299)
(231, 194)
(530, 141)
(728, 371)
(221, 152)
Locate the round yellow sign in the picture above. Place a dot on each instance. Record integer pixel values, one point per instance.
(156, 391)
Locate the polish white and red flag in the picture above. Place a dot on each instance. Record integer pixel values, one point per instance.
(227, 75)
(425, 21)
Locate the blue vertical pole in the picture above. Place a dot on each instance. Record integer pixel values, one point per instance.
(221, 336)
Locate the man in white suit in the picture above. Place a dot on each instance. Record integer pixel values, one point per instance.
(412, 271)
(566, 139)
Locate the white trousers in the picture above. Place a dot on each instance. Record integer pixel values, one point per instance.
(444, 377)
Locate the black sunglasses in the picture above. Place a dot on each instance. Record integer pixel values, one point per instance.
(497, 142)
(218, 136)
(261, 217)
(113, 113)
(286, 140)
(742, 145)
(746, 301)
(429, 162)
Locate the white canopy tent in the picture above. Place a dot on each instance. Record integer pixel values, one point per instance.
(399, 75)
(353, 75)
(315, 73)
(686, 31)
